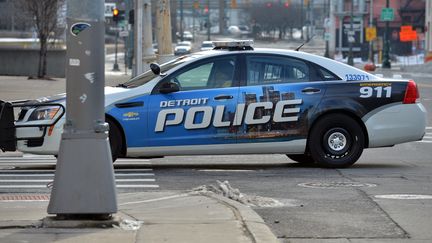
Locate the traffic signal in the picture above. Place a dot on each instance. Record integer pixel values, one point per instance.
(116, 14)
(131, 18)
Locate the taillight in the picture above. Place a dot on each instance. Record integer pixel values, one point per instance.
(411, 93)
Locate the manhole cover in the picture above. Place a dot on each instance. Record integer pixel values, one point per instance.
(335, 184)
(404, 196)
(30, 197)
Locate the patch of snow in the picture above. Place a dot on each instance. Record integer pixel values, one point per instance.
(226, 190)
(128, 224)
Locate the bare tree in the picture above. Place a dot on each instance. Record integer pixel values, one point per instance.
(45, 15)
(272, 16)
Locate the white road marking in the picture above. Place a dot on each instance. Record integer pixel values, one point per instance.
(52, 175)
(227, 170)
(22, 186)
(133, 180)
(15, 181)
(137, 186)
(44, 186)
(404, 196)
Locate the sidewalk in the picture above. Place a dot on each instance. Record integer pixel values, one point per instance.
(144, 217)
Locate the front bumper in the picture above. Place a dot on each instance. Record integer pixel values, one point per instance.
(24, 134)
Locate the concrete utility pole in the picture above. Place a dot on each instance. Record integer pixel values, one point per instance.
(84, 179)
(428, 25)
(164, 31)
(144, 53)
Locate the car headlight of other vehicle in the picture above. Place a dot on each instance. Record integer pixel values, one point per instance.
(44, 113)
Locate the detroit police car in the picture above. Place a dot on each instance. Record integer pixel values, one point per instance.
(239, 100)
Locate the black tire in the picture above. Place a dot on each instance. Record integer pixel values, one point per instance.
(336, 141)
(305, 159)
(115, 139)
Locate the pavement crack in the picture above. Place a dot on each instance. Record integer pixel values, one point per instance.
(365, 195)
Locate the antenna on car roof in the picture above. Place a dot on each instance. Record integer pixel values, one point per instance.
(304, 43)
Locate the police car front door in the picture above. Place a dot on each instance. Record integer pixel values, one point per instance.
(201, 112)
(279, 97)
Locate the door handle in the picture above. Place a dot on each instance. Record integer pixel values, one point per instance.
(223, 97)
(310, 90)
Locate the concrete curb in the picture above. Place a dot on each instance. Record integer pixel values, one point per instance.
(253, 223)
(52, 222)
(21, 224)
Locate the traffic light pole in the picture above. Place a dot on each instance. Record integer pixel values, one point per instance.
(116, 66)
(386, 55)
(84, 184)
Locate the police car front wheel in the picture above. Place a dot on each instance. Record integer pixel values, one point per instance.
(336, 141)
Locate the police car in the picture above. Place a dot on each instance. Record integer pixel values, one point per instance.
(239, 100)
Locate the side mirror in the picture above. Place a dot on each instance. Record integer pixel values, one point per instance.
(155, 68)
(169, 87)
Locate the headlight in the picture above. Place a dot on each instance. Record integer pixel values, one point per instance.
(44, 113)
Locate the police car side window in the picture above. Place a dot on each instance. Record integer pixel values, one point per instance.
(217, 73)
(275, 69)
(195, 78)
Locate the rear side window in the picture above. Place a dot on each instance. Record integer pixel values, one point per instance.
(325, 74)
(263, 70)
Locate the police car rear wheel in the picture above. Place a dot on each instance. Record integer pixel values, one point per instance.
(115, 140)
(301, 158)
(336, 141)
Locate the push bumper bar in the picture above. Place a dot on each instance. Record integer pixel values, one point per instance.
(8, 139)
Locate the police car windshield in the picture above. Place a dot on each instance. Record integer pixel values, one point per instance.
(149, 75)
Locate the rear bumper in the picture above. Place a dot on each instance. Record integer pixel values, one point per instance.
(395, 124)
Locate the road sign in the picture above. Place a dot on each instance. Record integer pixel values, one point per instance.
(109, 9)
(124, 33)
(387, 14)
(371, 33)
(407, 34)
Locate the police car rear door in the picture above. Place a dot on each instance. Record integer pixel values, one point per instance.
(280, 94)
(201, 112)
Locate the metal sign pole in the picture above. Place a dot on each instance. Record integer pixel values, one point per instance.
(84, 179)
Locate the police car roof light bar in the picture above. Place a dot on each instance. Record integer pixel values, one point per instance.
(234, 45)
